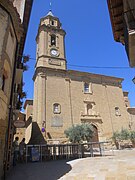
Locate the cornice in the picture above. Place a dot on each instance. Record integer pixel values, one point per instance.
(45, 56)
(125, 93)
(47, 69)
(50, 17)
(15, 17)
(103, 78)
(76, 75)
(131, 110)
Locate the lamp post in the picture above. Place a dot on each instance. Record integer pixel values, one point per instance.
(133, 80)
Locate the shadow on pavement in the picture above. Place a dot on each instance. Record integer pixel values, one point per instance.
(51, 170)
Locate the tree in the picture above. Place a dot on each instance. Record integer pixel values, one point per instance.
(116, 138)
(80, 133)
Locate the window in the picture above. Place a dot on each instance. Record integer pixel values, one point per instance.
(3, 82)
(86, 87)
(4, 77)
(56, 108)
(53, 40)
(117, 111)
(52, 23)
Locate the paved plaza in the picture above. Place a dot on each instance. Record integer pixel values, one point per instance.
(119, 166)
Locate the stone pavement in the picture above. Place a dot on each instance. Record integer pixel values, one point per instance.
(120, 166)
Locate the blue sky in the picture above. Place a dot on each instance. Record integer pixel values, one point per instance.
(89, 40)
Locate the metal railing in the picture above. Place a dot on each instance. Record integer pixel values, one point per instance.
(66, 151)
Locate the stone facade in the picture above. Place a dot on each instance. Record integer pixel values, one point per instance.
(11, 34)
(63, 98)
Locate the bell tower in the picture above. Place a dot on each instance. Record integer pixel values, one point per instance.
(50, 55)
(50, 43)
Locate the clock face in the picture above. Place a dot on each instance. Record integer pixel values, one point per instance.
(54, 52)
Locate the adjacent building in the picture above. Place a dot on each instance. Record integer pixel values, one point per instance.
(122, 15)
(14, 19)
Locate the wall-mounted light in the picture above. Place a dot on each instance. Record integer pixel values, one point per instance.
(133, 80)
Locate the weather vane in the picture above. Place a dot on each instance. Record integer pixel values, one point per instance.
(50, 5)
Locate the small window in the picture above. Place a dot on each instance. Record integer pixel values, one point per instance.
(52, 23)
(117, 111)
(3, 82)
(53, 40)
(56, 108)
(86, 87)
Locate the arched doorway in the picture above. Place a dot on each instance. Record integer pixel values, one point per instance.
(95, 137)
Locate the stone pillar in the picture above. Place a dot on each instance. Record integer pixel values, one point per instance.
(41, 43)
(40, 101)
(35, 103)
(39, 106)
(43, 105)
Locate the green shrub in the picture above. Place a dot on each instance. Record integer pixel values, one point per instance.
(132, 136)
(124, 134)
(80, 133)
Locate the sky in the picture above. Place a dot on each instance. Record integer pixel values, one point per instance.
(89, 41)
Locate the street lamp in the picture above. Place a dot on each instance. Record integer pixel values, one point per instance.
(133, 80)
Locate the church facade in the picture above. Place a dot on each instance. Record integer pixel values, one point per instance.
(63, 98)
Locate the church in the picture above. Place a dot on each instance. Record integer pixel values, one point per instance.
(63, 98)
